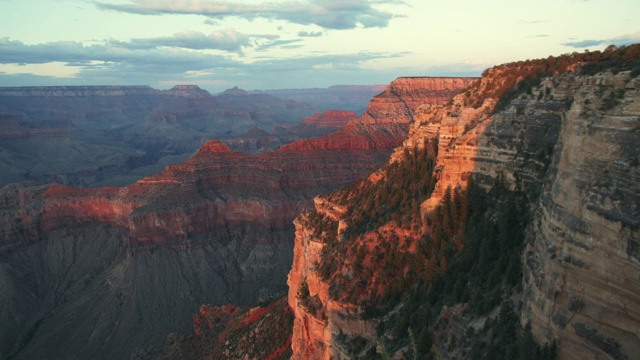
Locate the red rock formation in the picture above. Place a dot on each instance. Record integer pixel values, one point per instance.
(219, 188)
(330, 118)
(405, 95)
(570, 139)
(233, 332)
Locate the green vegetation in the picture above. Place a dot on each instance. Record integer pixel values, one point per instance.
(613, 58)
(234, 333)
(324, 227)
(462, 262)
(520, 77)
(395, 198)
(471, 254)
(483, 274)
(489, 264)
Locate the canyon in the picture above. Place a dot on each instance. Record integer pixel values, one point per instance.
(555, 134)
(115, 135)
(493, 217)
(111, 271)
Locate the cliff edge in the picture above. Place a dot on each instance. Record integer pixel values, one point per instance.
(508, 215)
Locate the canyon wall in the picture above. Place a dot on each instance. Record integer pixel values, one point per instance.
(582, 262)
(570, 144)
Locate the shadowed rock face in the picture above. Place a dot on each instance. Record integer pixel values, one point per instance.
(106, 271)
(582, 261)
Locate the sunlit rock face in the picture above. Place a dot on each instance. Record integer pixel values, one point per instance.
(329, 118)
(571, 144)
(104, 272)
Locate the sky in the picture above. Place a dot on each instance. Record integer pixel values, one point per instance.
(280, 44)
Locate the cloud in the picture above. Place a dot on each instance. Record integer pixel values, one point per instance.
(309, 34)
(141, 62)
(288, 44)
(77, 54)
(584, 43)
(626, 39)
(227, 40)
(328, 14)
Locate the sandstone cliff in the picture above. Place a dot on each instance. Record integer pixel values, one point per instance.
(568, 143)
(108, 271)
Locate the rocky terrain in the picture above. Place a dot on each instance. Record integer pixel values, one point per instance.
(583, 249)
(114, 135)
(232, 332)
(107, 272)
(508, 216)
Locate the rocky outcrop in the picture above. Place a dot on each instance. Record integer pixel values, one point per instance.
(189, 91)
(318, 319)
(256, 140)
(569, 143)
(403, 96)
(232, 332)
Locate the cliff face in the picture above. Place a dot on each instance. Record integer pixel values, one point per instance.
(111, 270)
(570, 144)
(400, 100)
(580, 286)
(331, 118)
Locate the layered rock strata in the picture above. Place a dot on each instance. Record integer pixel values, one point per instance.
(330, 118)
(580, 287)
(572, 143)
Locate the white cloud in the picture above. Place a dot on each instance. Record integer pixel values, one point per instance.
(626, 39)
(53, 69)
(346, 14)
